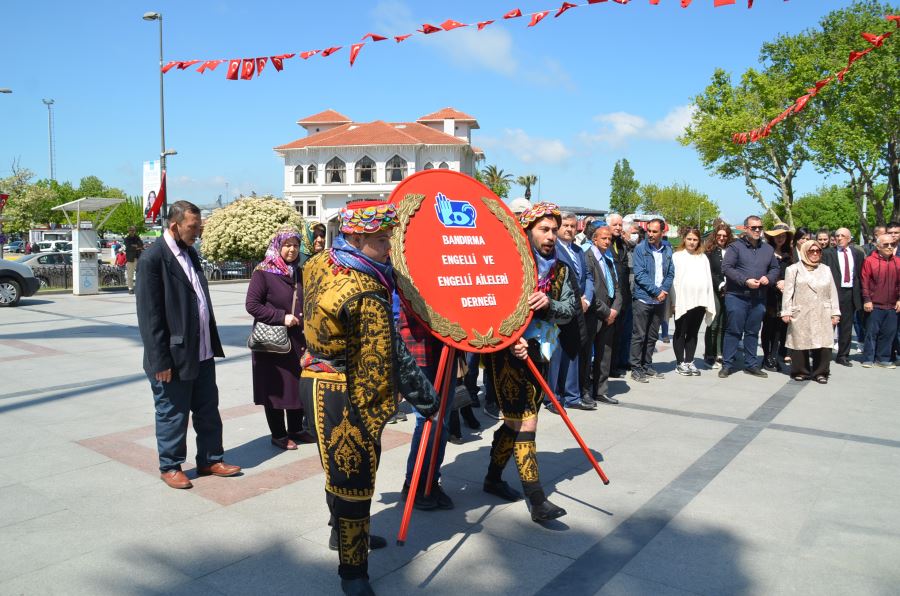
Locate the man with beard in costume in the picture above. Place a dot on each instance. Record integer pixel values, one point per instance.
(355, 365)
(518, 392)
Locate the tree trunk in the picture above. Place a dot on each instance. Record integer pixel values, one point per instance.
(858, 200)
(894, 177)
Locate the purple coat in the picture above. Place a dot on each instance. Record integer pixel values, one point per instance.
(276, 377)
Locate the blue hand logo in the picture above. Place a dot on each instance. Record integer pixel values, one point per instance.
(454, 214)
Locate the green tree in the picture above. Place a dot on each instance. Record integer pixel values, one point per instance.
(623, 192)
(497, 180)
(242, 229)
(129, 213)
(832, 208)
(527, 181)
(679, 204)
(859, 128)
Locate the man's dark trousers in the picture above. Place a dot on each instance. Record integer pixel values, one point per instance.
(845, 327)
(744, 315)
(174, 402)
(881, 330)
(645, 331)
(564, 376)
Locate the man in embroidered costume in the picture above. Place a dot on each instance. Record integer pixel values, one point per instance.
(354, 367)
(518, 393)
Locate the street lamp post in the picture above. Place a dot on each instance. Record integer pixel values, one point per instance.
(49, 103)
(157, 16)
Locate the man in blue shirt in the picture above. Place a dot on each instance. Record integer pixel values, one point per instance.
(749, 267)
(653, 276)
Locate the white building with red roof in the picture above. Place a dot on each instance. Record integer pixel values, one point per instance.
(339, 160)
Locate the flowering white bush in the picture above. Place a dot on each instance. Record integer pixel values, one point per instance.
(242, 230)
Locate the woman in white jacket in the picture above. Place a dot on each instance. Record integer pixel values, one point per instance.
(692, 299)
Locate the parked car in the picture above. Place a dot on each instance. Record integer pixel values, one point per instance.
(15, 246)
(54, 269)
(55, 246)
(16, 281)
(235, 270)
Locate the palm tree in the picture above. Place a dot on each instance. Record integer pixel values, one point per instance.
(497, 180)
(527, 181)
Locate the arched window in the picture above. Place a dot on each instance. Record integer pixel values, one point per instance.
(298, 175)
(428, 166)
(335, 171)
(444, 166)
(365, 170)
(395, 169)
(311, 173)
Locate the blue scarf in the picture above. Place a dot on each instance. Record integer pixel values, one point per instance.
(345, 254)
(545, 268)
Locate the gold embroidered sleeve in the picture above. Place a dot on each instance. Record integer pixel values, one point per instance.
(370, 379)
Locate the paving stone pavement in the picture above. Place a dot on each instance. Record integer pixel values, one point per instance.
(718, 486)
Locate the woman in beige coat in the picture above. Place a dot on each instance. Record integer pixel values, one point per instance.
(810, 308)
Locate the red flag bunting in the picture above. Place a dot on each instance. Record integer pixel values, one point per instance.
(717, 3)
(354, 52)
(801, 103)
(188, 63)
(260, 65)
(654, 2)
(330, 51)
(842, 73)
(247, 68)
(484, 24)
(428, 29)
(277, 62)
(374, 37)
(895, 18)
(596, 1)
(854, 56)
(306, 55)
(399, 38)
(875, 40)
(450, 24)
(565, 6)
(234, 67)
(169, 66)
(749, 3)
(209, 65)
(685, 3)
(513, 14)
(538, 17)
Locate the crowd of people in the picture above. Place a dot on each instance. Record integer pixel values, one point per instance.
(353, 351)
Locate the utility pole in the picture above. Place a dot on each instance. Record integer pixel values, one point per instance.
(49, 103)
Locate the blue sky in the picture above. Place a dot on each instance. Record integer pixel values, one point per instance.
(563, 100)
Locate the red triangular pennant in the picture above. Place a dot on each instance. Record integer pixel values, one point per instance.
(450, 24)
(354, 52)
(247, 68)
(330, 51)
(854, 56)
(399, 38)
(538, 17)
(565, 6)
(186, 64)
(374, 37)
(484, 24)
(842, 73)
(685, 3)
(513, 14)
(169, 66)
(277, 62)
(717, 3)
(307, 54)
(801, 103)
(234, 67)
(209, 65)
(428, 29)
(875, 40)
(895, 18)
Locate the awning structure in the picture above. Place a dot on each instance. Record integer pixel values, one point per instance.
(88, 205)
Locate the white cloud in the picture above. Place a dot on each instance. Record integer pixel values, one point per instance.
(528, 149)
(618, 127)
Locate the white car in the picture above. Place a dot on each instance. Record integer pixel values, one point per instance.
(16, 280)
(55, 246)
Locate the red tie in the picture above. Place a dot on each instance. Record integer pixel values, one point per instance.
(846, 267)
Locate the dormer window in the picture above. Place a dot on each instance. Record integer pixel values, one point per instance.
(365, 170)
(335, 171)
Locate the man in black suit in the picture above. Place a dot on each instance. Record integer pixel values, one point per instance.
(845, 262)
(570, 358)
(180, 340)
(603, 312)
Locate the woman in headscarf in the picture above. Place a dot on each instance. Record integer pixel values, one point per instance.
(810, 308)
(275, 297)
(312, 241)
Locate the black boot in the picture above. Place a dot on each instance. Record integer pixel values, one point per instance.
(546, 511)
(357, 587)
(469, 416)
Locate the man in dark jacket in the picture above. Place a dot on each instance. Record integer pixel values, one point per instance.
(569, 357)
(750, 268)
(602, 314)
(621, 248)
(845, 262)
(180, 340)
(134, 246)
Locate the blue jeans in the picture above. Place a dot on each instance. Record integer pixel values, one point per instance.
(744, 317)
(563, 377)
(174, 401)
(881, 331)
(430, 372)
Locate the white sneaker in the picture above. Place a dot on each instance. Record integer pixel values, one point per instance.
(694, 370)
(684, 370)
(885, 365)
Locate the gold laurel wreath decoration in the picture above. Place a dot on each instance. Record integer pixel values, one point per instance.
(488, 339)
(442, 325)
(518, 317)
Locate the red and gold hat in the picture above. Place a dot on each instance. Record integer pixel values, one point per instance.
(538, 211)
(368, 217)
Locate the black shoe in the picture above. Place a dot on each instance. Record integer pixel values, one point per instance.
(617, 374)
(469, 417)
(375, 542)
(131, 292)
(551, 408)
(546, 511)
(503, 490)
(607, 399)
(756, 373)
(639, 377)
(724, 373)
(665, 339)
(651, 373)
(442, 499)
(843, 362)
(357, 587)
(476, 403)
(422, 503)
(492, 411)
(399, 416)
(585, 403)
(770, 365)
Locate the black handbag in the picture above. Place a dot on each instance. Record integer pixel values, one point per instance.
(271, 339)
